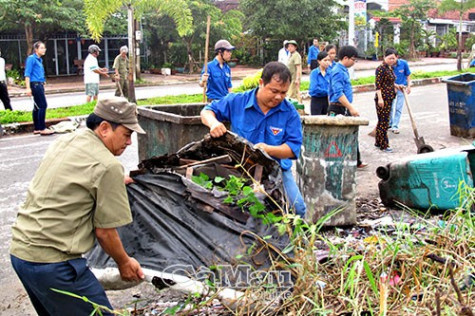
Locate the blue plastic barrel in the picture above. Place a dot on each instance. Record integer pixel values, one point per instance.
(461, 95)
(429, 180)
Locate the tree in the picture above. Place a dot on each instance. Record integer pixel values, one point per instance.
(98, 11)
(33, 17)
(411, 15)
(284, 19)
(460, 6)
(223, 26)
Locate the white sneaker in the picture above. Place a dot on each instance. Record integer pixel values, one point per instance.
(395, 131)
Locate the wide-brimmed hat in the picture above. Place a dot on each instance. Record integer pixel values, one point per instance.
(292, 42)
(119, 110)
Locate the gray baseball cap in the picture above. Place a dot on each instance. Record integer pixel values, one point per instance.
(119, 110)
(223, 44)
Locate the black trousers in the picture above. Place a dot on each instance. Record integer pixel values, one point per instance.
(337, 108)
(4, 96)
(319, 106)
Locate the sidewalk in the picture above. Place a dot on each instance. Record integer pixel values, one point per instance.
(75, 83)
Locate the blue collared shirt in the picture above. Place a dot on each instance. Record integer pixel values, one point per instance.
(34, 68)
(281, 125)
(318, 83)
(340, 84)
(219, 80)
(331, 66)
(401, 70)
(312, 54)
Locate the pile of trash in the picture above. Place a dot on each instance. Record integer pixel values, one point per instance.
(205, 213)
(189, 229)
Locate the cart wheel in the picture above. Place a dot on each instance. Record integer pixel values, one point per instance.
(425, 149)
(382, 172)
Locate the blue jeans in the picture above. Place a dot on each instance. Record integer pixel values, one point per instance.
(72, 276)
(293, 193)
(396, 110)
(39, 106)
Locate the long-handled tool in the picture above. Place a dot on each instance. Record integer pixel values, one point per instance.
(422, 147)
(208, 22)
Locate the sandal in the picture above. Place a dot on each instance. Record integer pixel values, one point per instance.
(46, 132)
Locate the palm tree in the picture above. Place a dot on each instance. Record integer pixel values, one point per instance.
(98, 11)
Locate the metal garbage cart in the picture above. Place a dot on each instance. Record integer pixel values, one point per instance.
(169, 128)
(327, 165)
(461, 95)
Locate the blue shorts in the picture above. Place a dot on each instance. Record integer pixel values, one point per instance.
(72, 276)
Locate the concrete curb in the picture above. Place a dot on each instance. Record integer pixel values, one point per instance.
(112, 86)
(27, 127)
(182, 80)
(418, 82)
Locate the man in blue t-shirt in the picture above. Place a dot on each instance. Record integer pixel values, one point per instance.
(34, 83)
(264, 117)
(218, 77)
(403, 81)
(313, 51)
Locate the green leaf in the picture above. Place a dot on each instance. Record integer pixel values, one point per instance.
(228, 200)
(258, 207)
(288, 249)
(371, 279)
(247, 190)
(218, 179)
(282, 229)
(250, 249)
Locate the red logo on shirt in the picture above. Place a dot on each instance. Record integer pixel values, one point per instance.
(275, 130)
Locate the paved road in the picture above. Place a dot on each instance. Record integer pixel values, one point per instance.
(20, 156)
(62, 100)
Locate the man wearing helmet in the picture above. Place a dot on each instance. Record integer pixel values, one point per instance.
(92, 72)
(218, 78)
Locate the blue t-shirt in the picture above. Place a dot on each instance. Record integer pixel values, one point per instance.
(319, 83)
(281, 125)
(472, 63)
(340, 84)
(34, 68)
(312, 54)
(219, 80)
(401, 70)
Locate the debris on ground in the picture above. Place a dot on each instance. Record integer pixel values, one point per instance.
(393, 262)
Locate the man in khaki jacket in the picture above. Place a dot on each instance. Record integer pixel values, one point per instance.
(295, 67)
(77, 195)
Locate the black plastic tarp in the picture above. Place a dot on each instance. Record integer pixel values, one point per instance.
(177, 223)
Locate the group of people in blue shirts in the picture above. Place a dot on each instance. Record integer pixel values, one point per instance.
(266, 118)
(329, 80)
